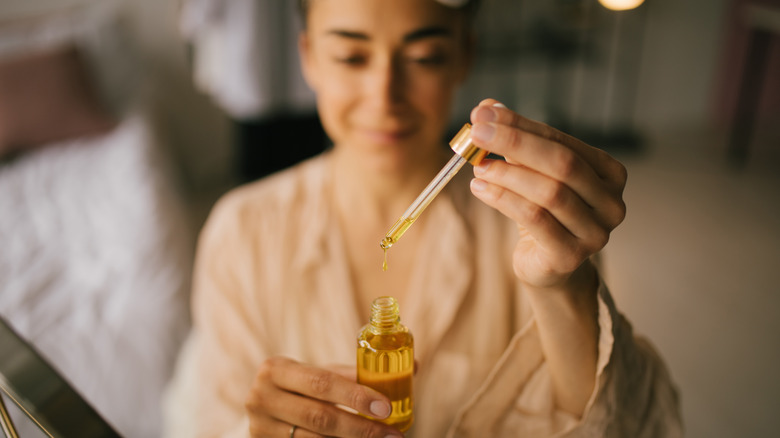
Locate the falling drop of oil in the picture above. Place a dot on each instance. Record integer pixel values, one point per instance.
(385, 245)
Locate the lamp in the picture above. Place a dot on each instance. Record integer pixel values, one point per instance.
(621, 5)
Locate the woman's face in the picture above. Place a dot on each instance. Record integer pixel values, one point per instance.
(384, 72)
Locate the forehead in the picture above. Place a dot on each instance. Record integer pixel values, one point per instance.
(380, 18)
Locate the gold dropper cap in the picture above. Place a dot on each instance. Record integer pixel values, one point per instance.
(463, 146)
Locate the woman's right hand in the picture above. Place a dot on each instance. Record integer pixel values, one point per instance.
(287, 393)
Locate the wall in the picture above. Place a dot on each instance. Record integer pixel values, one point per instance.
(662, 76)
(683, 45)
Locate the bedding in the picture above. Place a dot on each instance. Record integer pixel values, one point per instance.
(95, 235)
(95, 265)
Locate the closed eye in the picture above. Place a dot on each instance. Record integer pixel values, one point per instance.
(430, 60)
(351, 60)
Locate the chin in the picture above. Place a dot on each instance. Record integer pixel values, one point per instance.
(373, 159)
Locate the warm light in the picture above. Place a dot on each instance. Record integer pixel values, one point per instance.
(621, 5)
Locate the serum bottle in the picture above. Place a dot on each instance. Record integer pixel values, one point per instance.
(385, 360)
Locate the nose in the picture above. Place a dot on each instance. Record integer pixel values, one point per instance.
(386, 84)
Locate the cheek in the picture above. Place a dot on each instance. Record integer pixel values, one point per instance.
(335, 98)
(332, 83)
(433, 94)
(339, 81)
(434, 89)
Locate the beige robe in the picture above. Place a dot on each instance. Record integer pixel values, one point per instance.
(272, 279)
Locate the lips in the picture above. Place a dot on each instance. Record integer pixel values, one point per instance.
(385, 135)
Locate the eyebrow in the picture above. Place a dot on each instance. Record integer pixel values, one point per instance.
(427, 32)
(422, 33)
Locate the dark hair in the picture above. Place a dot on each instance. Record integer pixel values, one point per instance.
(303, 9)
(470, 9)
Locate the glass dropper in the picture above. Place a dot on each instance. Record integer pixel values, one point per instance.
(465, 151)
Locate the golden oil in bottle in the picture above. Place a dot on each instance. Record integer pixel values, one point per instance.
(385, 360)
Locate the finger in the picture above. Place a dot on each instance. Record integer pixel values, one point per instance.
(350, 373)
(559, 251)
(301, 433)
(553, 196)
(559, 162)
(329, 386)
(325, 419)
(345, 371)
(550, 235)
(605, 166)
(491, 102)
(272, 427)
(279, 409)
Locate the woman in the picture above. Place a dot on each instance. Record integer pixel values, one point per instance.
(515, 333)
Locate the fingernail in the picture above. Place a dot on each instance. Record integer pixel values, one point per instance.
(478, 185)
(485, 114)
(481, 168)
(483, 132)
(393, 436)
(499, 105)
(380, 409)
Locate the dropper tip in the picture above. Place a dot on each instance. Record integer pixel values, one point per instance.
(386, 243)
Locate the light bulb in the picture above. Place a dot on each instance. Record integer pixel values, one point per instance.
(621, 5)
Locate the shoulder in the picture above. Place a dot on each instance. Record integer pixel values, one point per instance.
(275, 198)
(275, 193)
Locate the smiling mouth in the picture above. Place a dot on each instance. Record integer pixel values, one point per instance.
(388, 136)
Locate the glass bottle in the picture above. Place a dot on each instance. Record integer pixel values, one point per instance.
(385, 360)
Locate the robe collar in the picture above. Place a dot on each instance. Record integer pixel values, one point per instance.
(445, 267)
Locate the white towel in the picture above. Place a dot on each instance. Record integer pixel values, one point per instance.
(245, 55)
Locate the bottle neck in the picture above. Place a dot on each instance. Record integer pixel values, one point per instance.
(385, 314)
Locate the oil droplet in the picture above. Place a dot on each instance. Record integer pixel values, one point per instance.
(385, 245)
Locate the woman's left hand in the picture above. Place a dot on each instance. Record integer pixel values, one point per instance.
(565, 196)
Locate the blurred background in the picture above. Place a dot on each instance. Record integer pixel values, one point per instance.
(121, 123)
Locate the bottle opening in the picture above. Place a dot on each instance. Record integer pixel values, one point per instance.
(385, 312)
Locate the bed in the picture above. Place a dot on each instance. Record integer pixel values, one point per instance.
(95, 237)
